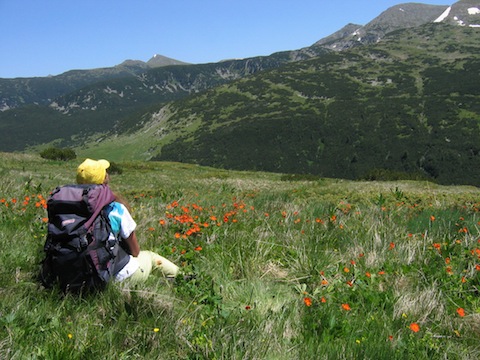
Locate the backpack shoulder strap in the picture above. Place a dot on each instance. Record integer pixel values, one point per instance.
(99, 197)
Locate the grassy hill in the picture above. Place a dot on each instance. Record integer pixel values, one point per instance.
(285, 269)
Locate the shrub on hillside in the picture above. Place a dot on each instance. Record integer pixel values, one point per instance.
(115, 168)
(53, 153)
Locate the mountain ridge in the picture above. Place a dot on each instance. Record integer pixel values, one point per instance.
(24, 91)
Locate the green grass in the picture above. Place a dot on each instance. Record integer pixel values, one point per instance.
(277, 262)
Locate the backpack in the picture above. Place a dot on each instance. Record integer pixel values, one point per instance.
(81, 253)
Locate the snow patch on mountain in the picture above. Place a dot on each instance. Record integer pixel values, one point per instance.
(443, 16)
(473, 11)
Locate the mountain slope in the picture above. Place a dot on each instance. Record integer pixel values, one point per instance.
(112, 100)
(409, 104)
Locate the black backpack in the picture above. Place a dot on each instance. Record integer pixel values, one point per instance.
(80, 253)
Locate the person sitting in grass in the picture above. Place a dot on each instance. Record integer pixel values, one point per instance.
(140, 262)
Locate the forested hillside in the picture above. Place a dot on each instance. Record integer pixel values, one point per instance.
(409, 104)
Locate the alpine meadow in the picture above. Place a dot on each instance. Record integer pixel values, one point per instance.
(286, 268)
(323, 202)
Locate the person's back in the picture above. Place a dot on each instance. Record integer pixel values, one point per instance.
(85, 249)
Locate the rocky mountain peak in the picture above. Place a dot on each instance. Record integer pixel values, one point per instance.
(160, 60)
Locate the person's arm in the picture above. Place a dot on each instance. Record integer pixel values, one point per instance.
(132, 244)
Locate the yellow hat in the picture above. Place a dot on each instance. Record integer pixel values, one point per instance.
(92, 171)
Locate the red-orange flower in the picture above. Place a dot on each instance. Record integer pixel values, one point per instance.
(461, 312)
(346, 307)
(307, 301)
(415, 327)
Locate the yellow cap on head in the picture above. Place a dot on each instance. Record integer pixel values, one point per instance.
(92, 171)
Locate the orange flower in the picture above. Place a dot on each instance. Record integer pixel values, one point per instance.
(198, 248)
(461, 312)
(307, 301)
(432, 218)
(323, 300)
(324, 282)
(392, 245)
(415, 327)
(367, 274)
(346, 307)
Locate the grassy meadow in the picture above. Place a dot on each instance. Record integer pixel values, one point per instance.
(286, 268)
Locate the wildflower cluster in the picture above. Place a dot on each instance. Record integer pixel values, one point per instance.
(11, 208)
(193, 220)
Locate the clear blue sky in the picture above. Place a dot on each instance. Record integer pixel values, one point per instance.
(48, 37)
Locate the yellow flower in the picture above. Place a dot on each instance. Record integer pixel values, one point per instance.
(156, 330)
(70, 336)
